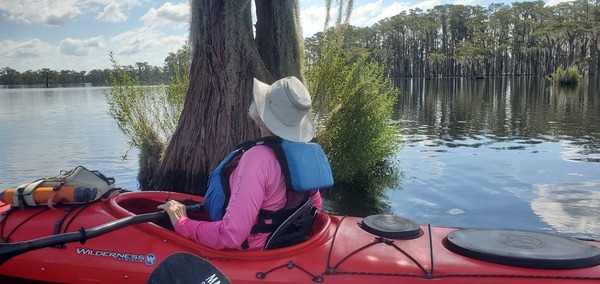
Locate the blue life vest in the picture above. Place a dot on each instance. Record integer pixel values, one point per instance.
(303, 164)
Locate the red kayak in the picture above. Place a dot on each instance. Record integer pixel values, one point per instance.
(123, 239)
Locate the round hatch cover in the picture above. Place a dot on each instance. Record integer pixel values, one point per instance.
(391, 226)
(523, 248)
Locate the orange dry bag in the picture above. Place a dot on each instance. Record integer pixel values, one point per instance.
(76, 186)
(66, 194)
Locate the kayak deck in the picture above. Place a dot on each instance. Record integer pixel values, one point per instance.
(339, 251)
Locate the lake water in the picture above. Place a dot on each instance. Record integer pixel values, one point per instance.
(500, 152)
(44, 131)
(504, 152)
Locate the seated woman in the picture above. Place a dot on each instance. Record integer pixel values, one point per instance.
(257, 184)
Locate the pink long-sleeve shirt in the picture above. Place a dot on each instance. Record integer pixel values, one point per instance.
(256, 183)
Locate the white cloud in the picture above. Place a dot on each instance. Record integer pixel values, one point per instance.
(145, 45)
(167, 14)
(556, 2)
(312, 19)
(427, 5)
(23, 49)
(79, 47)
(465, 2)
(112, 13)
(48, 12)
(371, 13)
(60, 12)
(20, 55)
(365, 15)
(64, 51)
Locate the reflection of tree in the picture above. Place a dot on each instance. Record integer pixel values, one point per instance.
(364, 197)
(355, 203)
(499, 108)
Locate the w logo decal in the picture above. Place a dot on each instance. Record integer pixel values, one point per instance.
(150, 259)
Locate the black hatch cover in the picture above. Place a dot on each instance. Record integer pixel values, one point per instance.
(523, 248)
(391, 226)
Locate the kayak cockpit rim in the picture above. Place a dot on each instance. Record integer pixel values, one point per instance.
(139, 202)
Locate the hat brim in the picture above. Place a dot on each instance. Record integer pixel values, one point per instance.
(303, 132)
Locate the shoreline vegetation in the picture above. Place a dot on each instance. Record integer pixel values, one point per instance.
(520, 39)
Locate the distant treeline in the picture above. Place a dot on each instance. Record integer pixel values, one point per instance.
(524, 38)
(146, 74)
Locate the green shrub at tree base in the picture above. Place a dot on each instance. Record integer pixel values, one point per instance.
(147, 115)
(354, 100)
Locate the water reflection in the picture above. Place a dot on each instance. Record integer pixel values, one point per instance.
(492, 152)
(361, 205)
(569, 208)
(355, 200)
(461, 112)
(366, 196)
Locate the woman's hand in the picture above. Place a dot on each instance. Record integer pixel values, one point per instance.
(175, 209)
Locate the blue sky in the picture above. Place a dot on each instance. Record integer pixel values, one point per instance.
(79, 34)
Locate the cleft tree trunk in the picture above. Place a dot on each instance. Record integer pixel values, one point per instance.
(225, 59)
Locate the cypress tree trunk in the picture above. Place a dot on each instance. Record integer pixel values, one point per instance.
(214, 117)
(225, 59)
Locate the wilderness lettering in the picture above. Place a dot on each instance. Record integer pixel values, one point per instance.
(115, 255)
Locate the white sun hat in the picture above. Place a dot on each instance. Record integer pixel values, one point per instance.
(284, 107)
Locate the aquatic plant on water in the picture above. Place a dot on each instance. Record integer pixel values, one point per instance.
(571, 76)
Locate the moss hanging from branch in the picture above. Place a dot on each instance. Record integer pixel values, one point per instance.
(279, 38)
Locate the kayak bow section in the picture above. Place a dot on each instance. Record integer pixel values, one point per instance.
(341, 250)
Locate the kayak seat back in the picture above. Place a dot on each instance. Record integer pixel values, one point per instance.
(295, 229)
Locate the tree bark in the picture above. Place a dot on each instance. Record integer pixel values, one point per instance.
(213, 120)
(225, 60)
